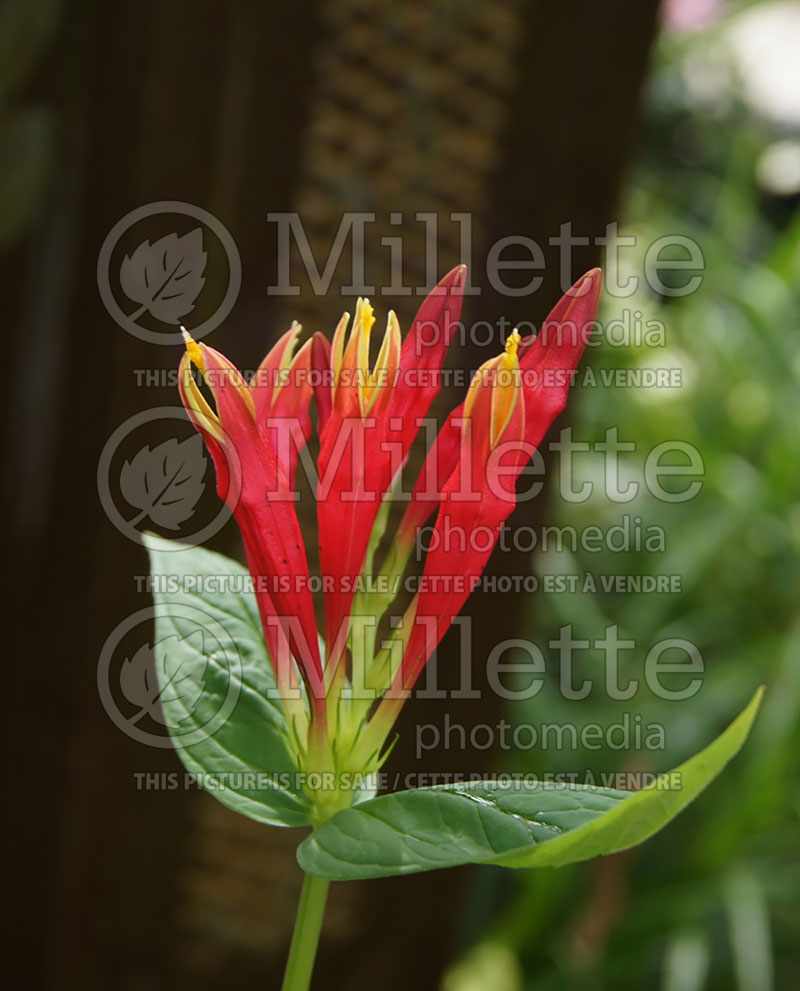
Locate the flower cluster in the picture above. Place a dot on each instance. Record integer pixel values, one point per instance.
(341, 693)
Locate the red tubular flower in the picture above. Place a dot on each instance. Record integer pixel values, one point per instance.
(367, 420)
(555, 351)
(248, 474)
(373, 420)
(282, 390)
(481, 451)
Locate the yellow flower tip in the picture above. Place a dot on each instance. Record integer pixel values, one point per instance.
(193, 349)
(512, 342)
(355, 360)
(288, 356)
(193, 399)
(499, 377)
(337, 347)
(362, 327)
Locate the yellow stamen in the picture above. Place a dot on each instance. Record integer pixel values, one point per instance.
(383, 373)
(356, 354)
(512, 343)
(288, 352)
(354, 363)
(506, 389)
(501, 376)
(362, 331)
(337, 347)
(195, 401)
(194, 350)
(288, 360)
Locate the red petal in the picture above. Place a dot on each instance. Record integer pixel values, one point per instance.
(323, 378)
(553, 355)
(269, 525)
(376, 448)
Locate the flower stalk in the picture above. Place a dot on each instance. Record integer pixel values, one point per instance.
(305, 938)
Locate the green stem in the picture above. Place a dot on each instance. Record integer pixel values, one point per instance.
(306, 934)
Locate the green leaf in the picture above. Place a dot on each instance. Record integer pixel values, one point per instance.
(546, 824)
(216, 686)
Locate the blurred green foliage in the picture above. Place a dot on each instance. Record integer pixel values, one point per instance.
(713, 901)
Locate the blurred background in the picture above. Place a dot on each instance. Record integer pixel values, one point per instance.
(679, 118)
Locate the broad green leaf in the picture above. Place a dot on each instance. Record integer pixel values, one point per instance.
(546, 824)
(216, 685)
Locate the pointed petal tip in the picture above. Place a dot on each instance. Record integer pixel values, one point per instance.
(450, 283)
(588, 287)
(455, 278)
(320, 350)
(595, 276)
(193, 349)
